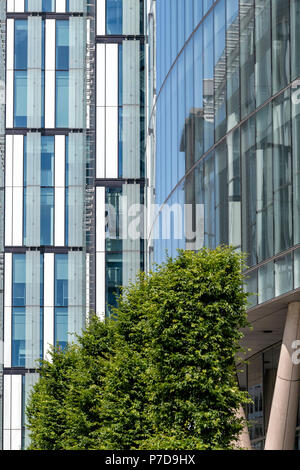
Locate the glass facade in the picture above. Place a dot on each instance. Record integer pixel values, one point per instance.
(223, 142)
(45, 180)
(226, 126)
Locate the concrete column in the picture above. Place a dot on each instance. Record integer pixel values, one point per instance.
(244, 438)
(283, 417)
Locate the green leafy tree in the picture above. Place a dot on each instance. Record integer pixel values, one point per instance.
(162, 376)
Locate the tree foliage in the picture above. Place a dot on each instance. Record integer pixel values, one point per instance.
(162, 376)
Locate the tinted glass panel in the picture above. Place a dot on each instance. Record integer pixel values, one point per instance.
(62, 45)
(21, 43)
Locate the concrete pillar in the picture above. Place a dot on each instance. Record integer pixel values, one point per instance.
(244, 438)
(283, 417)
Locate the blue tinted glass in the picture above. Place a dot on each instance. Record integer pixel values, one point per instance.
(47, 212)
(20, 99)
(62, 99)
(62, 45)
(61, 280)
(21, 42)
(18, 337)
(61, 327)
(47, 161)
(48, 5)
(114, 16)
(19, 280)
(206, 5)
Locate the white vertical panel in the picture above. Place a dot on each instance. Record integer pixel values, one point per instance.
(10, 44)
(100, 143)
(111, 142)
(112, 77)
(101, 17)
(7, 412)
(10, 74)
(100, 219)
(19, 6)
(87, 285)
(100, 75)
(6, 439)
(100, 255)
(59, 190)
(100, 285)
(18, 190)
(9, 98)
(16, 412)
(60, 6)
(8, 189)
(48, 302)
(10, 6)
(50, 74)
(7, 309)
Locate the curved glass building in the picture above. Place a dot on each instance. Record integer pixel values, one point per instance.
(223, 146)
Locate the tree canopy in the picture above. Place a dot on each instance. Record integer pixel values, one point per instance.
(159, 374)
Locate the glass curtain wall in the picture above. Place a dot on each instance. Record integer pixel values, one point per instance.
(226, 130)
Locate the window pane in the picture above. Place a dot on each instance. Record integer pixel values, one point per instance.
(19, 280)
(18, 337)
(295, 38)
(48, 5)
(264, 166)
(20, 99)
(283, 275)
(62, 45)
(47, 212)
(62, 99)
(263, 50)
(61, 280)
(247, 56)
(114, 16)
(47, 161)
(266, 283)
(281, 44)
(61, 327)
(21, 44)
(282, 159)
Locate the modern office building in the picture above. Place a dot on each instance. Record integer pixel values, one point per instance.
(72, 156)
(221, 131)
(224, 159)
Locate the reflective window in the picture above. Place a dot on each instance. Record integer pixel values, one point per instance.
(281, 44)
(47, 5)
(18, 353)
(263, 51)
(47, 216)
(20, 99)
(114, 16)
(21, 44)
(62, 99)
(61, 301)
(61, 280)
(19, 280)
(62, 45)
(47, 161)
(61, 327)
